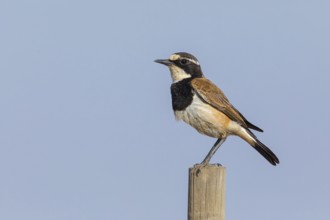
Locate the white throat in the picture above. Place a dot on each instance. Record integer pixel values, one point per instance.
(178, 74)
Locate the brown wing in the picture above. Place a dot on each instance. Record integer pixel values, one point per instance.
(212, 95)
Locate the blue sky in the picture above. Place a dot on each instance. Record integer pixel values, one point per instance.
(87, 129)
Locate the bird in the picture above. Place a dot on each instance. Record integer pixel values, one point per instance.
(200, 103)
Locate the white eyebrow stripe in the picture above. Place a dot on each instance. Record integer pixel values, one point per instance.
(193, 61)
(174, 57)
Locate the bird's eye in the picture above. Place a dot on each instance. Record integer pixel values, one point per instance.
(183, 61)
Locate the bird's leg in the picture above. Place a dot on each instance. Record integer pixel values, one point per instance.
(215, 147)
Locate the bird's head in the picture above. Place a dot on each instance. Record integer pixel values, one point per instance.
(182, 65)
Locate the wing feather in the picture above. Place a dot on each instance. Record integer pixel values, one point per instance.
(212, 95)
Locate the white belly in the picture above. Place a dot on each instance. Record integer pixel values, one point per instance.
(204, 118)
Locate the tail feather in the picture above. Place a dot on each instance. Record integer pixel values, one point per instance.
(266, 153)
(260, 147)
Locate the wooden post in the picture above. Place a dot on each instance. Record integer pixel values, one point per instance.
(206, 198)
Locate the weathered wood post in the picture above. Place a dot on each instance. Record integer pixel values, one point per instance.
(206, 193)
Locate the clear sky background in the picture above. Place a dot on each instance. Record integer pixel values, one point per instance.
(86, 125)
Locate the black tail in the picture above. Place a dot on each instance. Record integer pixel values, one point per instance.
(266, 152)
(263, 150)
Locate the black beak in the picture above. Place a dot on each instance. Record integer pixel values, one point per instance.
(166, 62)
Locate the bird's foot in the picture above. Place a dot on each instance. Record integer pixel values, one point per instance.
(199, 166)
(204, 164)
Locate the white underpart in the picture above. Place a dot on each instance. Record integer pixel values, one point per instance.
(247, 137)
(236, 129)
(178, 74)
(206, 120)
(201, 116)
